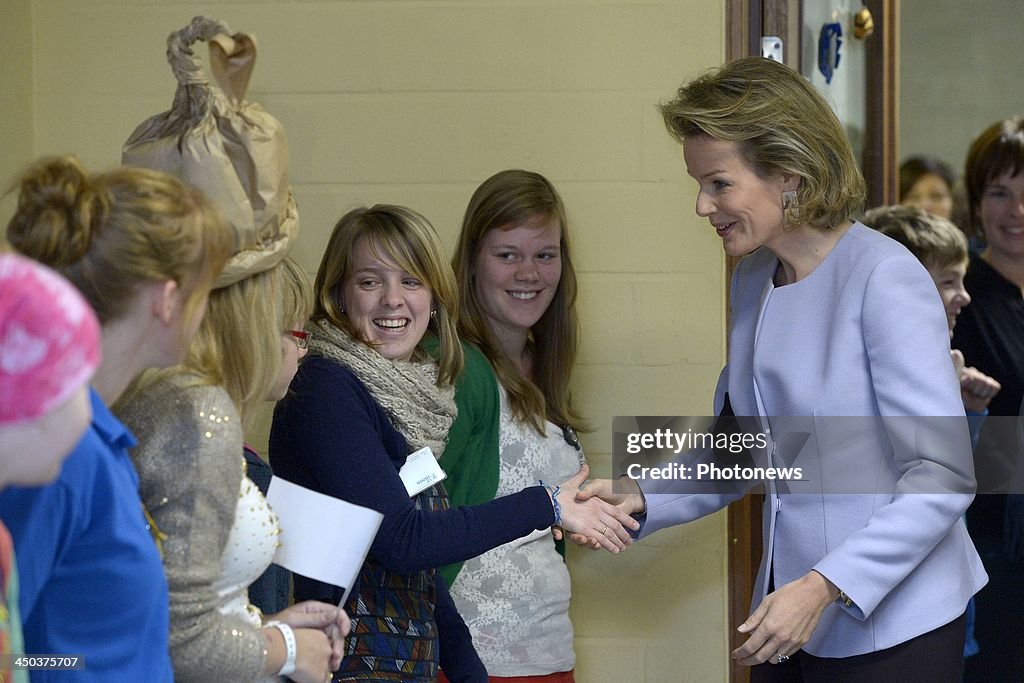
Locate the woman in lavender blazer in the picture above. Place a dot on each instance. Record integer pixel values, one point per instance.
(839, 349)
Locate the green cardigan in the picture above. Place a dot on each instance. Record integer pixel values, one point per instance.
(471, 457)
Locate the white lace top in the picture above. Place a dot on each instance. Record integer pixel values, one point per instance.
(515, 598)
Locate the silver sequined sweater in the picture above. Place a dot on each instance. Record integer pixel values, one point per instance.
(190, 466)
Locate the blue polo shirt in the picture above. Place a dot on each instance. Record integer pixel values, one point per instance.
(91, 579)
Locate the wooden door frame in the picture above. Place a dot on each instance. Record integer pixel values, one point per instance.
(744, 28)
(746, 22)
(881, 134)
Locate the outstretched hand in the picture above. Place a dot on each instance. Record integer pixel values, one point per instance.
(600, 523)
(629, 502)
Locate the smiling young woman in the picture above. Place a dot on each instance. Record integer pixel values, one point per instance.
(518, 296)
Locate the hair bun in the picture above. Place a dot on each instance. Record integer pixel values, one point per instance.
(57, 208)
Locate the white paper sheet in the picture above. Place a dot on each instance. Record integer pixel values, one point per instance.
(322, 537)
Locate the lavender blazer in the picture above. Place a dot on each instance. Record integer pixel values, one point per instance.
(879, 510)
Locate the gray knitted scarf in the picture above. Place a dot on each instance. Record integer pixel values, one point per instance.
(407, 392)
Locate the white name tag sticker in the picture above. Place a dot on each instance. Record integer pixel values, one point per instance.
(421, 471)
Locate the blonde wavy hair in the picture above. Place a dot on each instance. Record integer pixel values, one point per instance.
(297, 293)
(239, 344)
(781, 125)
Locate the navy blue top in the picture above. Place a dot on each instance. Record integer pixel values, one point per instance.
(91, 579)
(990, 334)
(331, 435)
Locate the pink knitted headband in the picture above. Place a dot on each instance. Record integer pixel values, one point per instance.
(49, 339)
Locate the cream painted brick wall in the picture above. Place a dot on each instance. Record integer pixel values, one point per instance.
(16, 86)
(417, 102)
(625, 624)
(959, 73)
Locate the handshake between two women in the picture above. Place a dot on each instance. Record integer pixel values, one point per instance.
(597, 515)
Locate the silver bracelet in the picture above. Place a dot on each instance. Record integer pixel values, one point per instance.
(291, 649)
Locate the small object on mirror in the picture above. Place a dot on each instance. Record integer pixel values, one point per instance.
(829, 42)
(863, 24)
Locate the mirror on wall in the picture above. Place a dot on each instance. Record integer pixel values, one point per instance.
(848, 51)
(835, 62)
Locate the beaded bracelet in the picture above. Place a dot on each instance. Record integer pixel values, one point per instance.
(553, 491)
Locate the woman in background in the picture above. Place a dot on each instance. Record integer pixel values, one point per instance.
(990, 333)
(219, 533)
(144, 251)
(927, 183)
(517, 305)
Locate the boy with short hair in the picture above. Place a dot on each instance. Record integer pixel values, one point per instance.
(942, 248)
